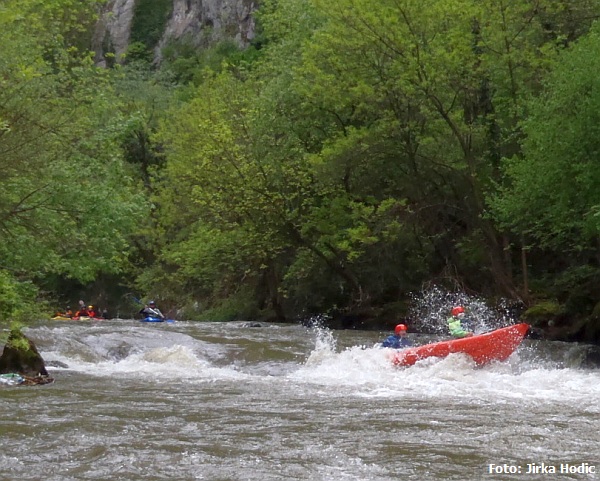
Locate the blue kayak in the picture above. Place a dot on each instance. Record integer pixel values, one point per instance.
(152, 319)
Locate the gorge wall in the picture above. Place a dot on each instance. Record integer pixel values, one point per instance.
(156, 22)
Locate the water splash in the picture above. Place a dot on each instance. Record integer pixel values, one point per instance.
(324, 339)
(325, 343)
(431, 308)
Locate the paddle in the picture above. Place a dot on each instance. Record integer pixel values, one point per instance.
(155, 312)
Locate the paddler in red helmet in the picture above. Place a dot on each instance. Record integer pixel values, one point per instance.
(457, 323)
(397, 340)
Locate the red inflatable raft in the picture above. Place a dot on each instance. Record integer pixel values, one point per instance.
(496, 345)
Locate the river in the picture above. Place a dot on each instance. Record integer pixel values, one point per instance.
(223, 401)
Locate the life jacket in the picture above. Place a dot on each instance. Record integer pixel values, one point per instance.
(456, 327)
(395, 342)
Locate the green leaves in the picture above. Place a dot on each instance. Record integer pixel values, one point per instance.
(357, 154)
(67, 202)
(553, 197)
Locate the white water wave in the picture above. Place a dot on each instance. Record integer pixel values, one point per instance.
(371, 372)
(161, 364)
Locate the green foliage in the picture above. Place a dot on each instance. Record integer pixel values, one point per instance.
(553, 198)
(542, 312)
(353, 151)
(139, 52)
(53, 24)
(67, 203)
(215, 180)
(17, 299)
(149, 21)
(189, 63)
(354, 157)
(239, 306)
(17, 340)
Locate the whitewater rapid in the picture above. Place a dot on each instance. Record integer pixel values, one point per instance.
(224, 401)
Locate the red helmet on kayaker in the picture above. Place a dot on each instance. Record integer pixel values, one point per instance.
(458, 310)
(400, 328)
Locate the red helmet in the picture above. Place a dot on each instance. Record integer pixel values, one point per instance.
(458, 310)
(400, 328)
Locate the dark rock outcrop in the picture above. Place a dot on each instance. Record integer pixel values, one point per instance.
(252, 324)
(20, 356)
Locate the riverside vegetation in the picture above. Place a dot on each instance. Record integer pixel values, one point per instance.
(356, 151)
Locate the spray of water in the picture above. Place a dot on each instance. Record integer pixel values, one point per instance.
(431, 308)
(325, 343)
(324, 336)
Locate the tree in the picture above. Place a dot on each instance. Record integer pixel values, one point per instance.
(67, 204)
(552, 201)
(356, 156)
(438, 89)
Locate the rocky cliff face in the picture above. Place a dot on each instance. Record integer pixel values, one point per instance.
(113, 29)
(204, 22)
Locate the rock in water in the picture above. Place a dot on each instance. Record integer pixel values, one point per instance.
(20, 356)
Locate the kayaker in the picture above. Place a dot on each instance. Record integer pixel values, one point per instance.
(150, 310)
(397, 340)
(82, 312)
(91, 311)
(458, 324)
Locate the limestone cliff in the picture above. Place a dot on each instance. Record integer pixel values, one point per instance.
(113, 29)
(204, 22)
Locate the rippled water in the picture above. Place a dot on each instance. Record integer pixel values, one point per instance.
(220, 401)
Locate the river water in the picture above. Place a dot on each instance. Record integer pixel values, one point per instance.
(222, 401)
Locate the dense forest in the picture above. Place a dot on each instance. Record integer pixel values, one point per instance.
(357, 151)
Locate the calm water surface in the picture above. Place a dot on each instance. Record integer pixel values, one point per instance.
(220, 401)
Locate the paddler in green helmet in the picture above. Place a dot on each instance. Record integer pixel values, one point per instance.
(457, 323)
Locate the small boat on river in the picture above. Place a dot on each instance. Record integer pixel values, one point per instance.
(77, 318)
(152, 319)
(496, 345)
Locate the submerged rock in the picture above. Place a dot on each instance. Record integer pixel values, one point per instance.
(21, 357)
(591, 358)
(252, 324)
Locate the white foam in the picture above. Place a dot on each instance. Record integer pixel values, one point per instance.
(164, 354)
(371, 372)
(172, 363)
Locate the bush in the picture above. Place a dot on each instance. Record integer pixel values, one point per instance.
(18, 299)
(542, 312)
